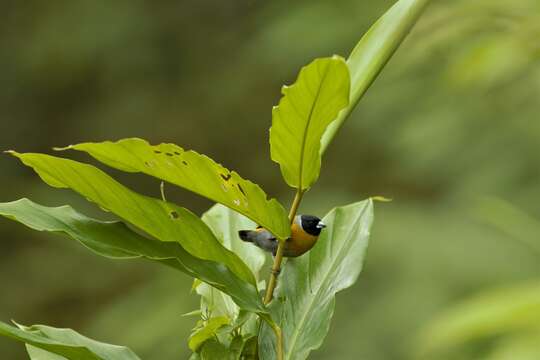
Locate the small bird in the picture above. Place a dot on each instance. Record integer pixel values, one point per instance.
(305, 231)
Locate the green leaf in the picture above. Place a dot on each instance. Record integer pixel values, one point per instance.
(372, 53)
(214, 350)
(66, 343)
(194, 172)
(303, 113)
(113, 239)
(249, 351)
(164, 221)
(225, 224)
(207, 331)
(490, 314)
(35, 353)
(305, 297)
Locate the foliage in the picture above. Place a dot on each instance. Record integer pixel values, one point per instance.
(232, 311)
(303, 114)
(65, 342)
(306, 296)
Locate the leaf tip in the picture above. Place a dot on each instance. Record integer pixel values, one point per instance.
(62, 148)
(11, 152)
(381, 198)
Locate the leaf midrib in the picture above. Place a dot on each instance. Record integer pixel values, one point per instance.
(325, 278)
(306, 129)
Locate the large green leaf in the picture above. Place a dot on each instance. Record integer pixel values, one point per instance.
(372, 53)
(306, 292)
(225, 224)
(114, 239)
(66, 342)
(162, 220)
(195, 172)
(303, 113)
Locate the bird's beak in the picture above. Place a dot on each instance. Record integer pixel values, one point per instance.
(321, 225)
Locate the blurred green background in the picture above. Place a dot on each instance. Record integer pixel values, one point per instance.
(453, 120)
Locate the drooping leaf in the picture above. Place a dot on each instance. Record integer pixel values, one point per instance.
(492, 313)
(66, 343)
(164, 221)
(207, 331)
(372, 53)
(194, 172)
(305, 297)
(303, 114)
(113, 239)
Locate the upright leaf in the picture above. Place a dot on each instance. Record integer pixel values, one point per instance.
(305, 296)
(66, 343)
(225, 224)
(372, 53)
(303, 114)
(195, 172)
(164, 221)
(113, 239)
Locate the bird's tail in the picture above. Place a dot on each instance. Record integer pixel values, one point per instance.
(245, 235)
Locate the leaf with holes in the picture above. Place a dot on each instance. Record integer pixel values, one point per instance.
(303, 114)
(194, 172)
(164, 221)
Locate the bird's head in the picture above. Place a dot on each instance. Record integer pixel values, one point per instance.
(311, 224)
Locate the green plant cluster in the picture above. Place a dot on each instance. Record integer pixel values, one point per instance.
(234, 322)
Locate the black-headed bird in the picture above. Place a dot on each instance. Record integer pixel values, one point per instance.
(305, 231)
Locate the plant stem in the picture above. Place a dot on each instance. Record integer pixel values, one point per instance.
(276, 267)
(279, 341)
(277, 331)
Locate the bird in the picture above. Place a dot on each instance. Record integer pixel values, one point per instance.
(305, 231)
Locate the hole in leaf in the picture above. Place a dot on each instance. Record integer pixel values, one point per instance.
(241, 190)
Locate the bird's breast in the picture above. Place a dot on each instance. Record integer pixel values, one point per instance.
(299, 242)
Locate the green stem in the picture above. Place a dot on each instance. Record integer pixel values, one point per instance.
(276, 267)
(279, 335)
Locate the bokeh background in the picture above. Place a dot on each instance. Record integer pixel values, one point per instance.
(449, 131)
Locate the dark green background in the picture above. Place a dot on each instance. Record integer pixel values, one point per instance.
(453, 118)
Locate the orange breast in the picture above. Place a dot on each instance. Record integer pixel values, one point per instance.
(300, 242)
